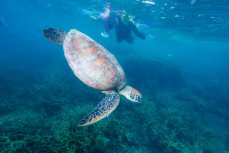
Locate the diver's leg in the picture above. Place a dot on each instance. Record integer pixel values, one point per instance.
(119, 37)
(136, 31)
(130, 39)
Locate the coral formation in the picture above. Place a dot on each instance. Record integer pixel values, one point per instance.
(169, 120)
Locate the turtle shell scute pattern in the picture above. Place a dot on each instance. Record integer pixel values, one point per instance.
(92, 63)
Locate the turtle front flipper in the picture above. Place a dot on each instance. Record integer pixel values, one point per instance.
(103, 109)
(55, 35)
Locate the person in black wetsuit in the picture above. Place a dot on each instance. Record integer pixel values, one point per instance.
(124, 27)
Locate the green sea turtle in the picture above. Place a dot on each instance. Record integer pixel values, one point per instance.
(96, 67)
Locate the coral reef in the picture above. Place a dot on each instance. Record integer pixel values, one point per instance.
(170, 119)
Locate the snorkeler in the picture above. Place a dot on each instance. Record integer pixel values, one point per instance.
(124, 27)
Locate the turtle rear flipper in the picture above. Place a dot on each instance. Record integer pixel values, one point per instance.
(103, 109)
(55, 35)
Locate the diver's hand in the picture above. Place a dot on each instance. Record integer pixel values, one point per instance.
(105, 35)
(150, 37)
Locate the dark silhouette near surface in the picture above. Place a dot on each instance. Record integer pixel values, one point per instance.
(125, 29)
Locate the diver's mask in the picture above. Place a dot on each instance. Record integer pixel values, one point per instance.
(125, 18)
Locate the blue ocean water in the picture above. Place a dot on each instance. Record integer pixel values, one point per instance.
(181, 69)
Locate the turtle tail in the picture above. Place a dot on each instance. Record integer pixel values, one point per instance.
(55, 35)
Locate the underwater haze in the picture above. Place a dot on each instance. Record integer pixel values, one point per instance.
(181, 70)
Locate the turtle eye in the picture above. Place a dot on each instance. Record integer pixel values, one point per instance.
(132, 96)
(135, 97)
(138, 98)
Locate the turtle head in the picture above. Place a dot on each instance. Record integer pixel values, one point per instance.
(131, 94)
